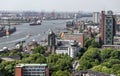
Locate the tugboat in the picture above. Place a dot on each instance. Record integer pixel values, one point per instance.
(38, 22)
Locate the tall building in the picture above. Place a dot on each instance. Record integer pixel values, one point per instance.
(107, 28)
(51, 42)
(31, 70)
(96, 17)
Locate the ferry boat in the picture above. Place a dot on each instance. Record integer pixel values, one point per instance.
(36, 23)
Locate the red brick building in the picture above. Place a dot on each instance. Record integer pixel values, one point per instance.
(75, 36)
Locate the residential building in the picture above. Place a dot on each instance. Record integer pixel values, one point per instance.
(96, 17)
(107, 28)
(118, 27)
(70, 47)
(31, 70)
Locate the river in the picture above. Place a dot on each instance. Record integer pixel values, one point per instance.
(38, 32)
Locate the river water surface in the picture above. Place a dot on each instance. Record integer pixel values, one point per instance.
(29, 33)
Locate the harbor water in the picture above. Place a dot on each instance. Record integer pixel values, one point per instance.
(29, 33)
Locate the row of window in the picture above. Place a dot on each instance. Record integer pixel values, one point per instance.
(33, 73)
(34, 66)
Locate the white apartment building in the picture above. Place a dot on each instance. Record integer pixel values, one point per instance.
(70, 47)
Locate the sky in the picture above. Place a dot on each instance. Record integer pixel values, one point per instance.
(60, 5)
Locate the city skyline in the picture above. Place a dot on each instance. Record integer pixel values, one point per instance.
(59, 5)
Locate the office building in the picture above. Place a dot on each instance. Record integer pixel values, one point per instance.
(31, 70)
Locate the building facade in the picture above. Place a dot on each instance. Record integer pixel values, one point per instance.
(69, 47)
(96, 17)
(75, 36)
(31, 70)
(51, 42)
(108, 31)
(107, 28)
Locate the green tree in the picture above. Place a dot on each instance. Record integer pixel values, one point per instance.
(59, 62)
(115, 54)
(61, 73)
(95, 44)
(89, 59)
(7, 68)
(40, 49)
(106, 54)
(103, 69)
(87, 42)
(91, 42)
(34, 58)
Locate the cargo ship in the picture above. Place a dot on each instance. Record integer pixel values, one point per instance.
(10, 31)
(6, 32)
(38, 22)
(2, 31)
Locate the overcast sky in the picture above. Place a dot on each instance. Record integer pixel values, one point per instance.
(60, 5)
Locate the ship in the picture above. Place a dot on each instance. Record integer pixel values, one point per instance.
(10, 31)
(38, 22)
(2, 31)
(6, 32)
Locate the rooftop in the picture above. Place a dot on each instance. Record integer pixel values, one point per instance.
(66, 43)
(22, 65)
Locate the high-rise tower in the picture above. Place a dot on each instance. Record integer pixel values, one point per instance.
(96, 16)
(107, 28)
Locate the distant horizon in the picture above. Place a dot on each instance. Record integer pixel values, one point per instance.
(60, 5)
(55, 11)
